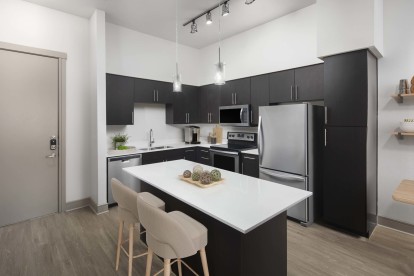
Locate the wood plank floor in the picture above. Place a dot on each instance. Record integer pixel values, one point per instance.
(81, 243)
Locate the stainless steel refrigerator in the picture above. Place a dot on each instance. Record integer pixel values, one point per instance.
(290, 152)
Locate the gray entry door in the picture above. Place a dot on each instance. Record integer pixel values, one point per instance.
(28, 118)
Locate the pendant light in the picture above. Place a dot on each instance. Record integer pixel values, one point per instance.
(177, 77)
(220, 75)
(225, 9)
(209, 18)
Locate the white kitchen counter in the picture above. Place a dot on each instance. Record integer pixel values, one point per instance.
(241, 202)
(253, 151)
(114, 153)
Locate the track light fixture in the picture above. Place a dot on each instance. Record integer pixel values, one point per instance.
(193, 27)
(225, 9)
(209, 18)
(248, 2)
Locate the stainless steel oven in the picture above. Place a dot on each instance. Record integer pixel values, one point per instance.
(226, 160)
(235, 115)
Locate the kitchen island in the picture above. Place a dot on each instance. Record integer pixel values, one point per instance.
(245, 216)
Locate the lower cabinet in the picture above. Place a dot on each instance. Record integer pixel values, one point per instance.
(162, 156)
(190, 154)
(203, 156)
(250, 165)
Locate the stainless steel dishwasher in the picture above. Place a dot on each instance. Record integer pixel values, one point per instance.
(115, 166)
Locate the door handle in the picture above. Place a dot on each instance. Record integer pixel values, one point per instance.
(53, 155)
(251, 158)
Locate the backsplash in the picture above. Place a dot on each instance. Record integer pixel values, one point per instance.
(152, 116)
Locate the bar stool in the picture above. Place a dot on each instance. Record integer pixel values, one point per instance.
(128, 213)
(172, 235)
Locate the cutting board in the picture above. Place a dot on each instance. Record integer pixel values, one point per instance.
(218, 133)
(197, 183)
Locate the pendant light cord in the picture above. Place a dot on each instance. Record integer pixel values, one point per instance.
(219, 2)
(176, 36)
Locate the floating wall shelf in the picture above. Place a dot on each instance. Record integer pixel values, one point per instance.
(400, 97)
(400, 134)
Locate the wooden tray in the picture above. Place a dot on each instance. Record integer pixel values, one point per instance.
(197, 183)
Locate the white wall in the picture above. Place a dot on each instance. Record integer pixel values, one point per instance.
(135, 54)
(98, 108)
(31, 25)
(350, 25)
(395, 157)
(284, 43)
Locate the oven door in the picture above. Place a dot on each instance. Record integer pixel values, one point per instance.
(235, 115)
(225, 160)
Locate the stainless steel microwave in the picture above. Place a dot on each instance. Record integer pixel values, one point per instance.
(235, 115)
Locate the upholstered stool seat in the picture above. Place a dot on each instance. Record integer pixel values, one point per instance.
(172, 235)
(128, 214)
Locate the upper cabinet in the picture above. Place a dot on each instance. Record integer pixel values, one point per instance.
(119, 100)
(301, 84)
(235, 92)
(208, 103)
(150, 91)
(184, 107)
(259, 96)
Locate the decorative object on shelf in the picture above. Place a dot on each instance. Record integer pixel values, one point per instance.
(403, 88)
(177, 77)
(119, 140)
(407, 125)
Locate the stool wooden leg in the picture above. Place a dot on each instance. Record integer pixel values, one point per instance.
(180, 270)
(167, 267)
(118, 248)
(204, 261)
(149, 263)
(131, 248)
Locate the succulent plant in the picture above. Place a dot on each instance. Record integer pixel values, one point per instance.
(195, 176)
(205, 178)
(198, 168)
(187, 174)
(215, 175)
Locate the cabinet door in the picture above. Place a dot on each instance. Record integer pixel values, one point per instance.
(203, 156)
(119, 100)
(203, 104)
(241, 91)
(144, 91)
(153, 157)
(345, 89)
(344, 186)
(190, 154)
(179, 113)
(281, 86)
(309, 83)
(174, 154)
(191, 104)
(250, 165)
(164, 92)
(213, 102)
(226, 93)
(259, 96)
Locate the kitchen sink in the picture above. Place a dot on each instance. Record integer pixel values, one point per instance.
(156, 148)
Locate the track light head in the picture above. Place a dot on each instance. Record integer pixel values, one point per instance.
(248, 2)
(225, 9)
(209, 18)
(193, 27)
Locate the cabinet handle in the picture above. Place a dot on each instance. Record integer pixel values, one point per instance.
(291, 92)
(235, 98)
(132, 117)
(251, 116)
(188, 117)
(296, 92)
(153, 92)
(205, 158)
(232, 98)
(326, 115)
(189, 150)
(206, 151)
(157, 96)
(251, 158)
(242, 168)
(325, 138)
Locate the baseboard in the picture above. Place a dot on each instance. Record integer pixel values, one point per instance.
(77, 204)
(98, 209)
(397, 225)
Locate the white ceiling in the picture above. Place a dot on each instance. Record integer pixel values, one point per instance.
(157, 17)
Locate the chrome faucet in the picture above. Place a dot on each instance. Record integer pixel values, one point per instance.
(151, 138)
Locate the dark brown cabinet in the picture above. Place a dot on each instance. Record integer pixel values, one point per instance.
(250, 165)
(190, 154)
(235, 92)
(259, 96)
(203, 156)
(150, 91)
(300, 84)
(119, 100)
(184, 109)
(162, 156)
(208, 103)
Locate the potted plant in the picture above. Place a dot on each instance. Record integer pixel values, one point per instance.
(119, 140)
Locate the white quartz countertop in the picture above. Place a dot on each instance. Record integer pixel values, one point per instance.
(114, 153)
(253, 151)
(241, 202)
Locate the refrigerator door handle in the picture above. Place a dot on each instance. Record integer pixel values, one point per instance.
(260, 142)
(283, 176)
